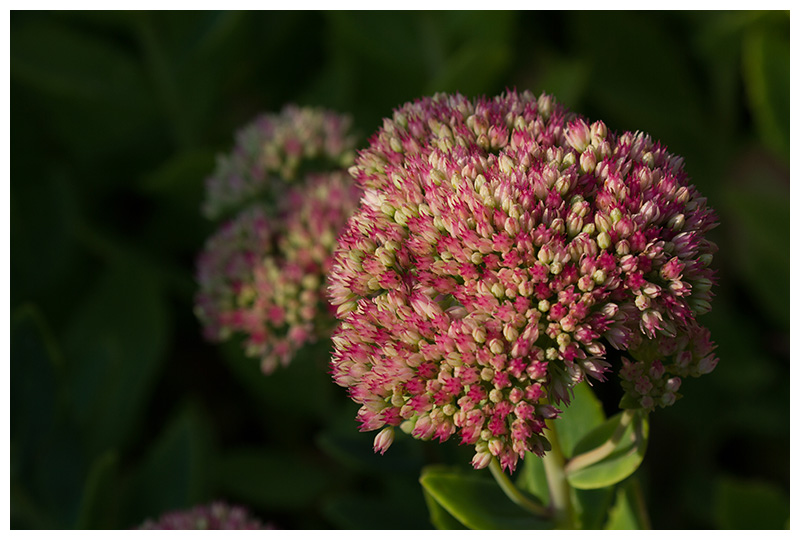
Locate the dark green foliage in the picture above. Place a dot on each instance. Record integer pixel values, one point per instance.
(121, 411)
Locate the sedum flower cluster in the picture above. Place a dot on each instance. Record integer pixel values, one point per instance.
(262, 273)
(501, 247)
(273, 149)
(214, 516)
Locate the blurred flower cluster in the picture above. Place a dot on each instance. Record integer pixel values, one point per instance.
(262, 274)
(278, 149)
(502, 245)
(214, 516)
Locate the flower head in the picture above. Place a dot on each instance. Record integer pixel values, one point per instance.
(264, 278)
(214, 516)
(272, 151)
(500, 247)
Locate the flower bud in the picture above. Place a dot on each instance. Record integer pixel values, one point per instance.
(578, 135)
(384, 439)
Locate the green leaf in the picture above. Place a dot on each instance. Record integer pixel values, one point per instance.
(44, 217)
(467, 52)
(100, 494)
(175, 472)
(565, 77)
(36, 369)
(376, 511)
(765, 55)
(582, 415)
(625, 458)
(631, 88)
(181, 177)
(115, 346)
(717, 40)
(441, 518)
(355, 450)
(533, 479)
(756, 203)
(308, 370)
(750, 504)
(270, 479)
(591, 506)
(476, 501)
(628, 512)
(80, 81)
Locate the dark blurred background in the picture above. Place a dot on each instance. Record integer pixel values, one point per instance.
(120, 411)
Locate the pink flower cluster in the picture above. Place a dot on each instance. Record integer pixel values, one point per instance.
(262, 274)
(215, 516)
(501, 246)
(264, 277)
(273, 149)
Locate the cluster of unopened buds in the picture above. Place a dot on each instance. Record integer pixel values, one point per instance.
(262, 274)
(214, 516)
(501, 246)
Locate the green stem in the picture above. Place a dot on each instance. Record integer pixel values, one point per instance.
(604, 450)
(513, 493)
(560, 496)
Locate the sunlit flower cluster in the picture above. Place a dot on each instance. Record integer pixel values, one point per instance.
(262, 274)
(214, 516)
(502, 245)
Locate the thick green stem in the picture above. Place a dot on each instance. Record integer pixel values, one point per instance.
(513, 493)
(604, 450)
(560, 496)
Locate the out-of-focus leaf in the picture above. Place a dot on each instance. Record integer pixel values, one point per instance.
(717, 39)
(47, 463)
(459, 73)
(342, 441)
(621, 463)
(59, 475)
(758, 225)
(765, 55)
(591, 506)
(36, 368)
(270, 479)
(177, 189)
(114, 347)
(533, 479)
(566, 78)
(182, 177)
(93, 91)
(175, 473)
(100, 494)
(401, 56)
(441, 518)
(750, 504)
(44, 251)
(582, 415)
(641, 76)
(397, 504)
(307, 371)
(628, 512)
(468, 52)
(25, 512)
(476, 501)
(187, 58)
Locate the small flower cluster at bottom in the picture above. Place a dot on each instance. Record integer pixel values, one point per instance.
(214, 516)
